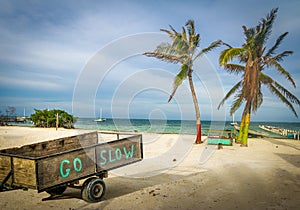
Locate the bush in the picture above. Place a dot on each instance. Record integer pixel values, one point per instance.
(47, 118)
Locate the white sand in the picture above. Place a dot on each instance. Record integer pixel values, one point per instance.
(176, 174)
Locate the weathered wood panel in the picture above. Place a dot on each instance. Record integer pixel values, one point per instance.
(5, 167)
(66, 167)
(24, 172)
(118, 153)
(54, 146)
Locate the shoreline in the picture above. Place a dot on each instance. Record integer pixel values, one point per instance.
(136, 132)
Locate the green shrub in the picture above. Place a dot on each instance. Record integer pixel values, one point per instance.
(47, 118)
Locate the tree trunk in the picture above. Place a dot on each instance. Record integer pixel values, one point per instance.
(244, 141)
(198, 122)
(246, 115)
(241, 131)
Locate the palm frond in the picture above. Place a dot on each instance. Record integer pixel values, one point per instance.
(234, 68)
(228, 55)
(172, 35)
(184, 34)
(190, 25)
(279, 57)
(230, 92)
(165, 57)
(265, 79)
(277, 93)
(267, 24)
(281, 70)
(271, 51)
(287, 93)
(248, 32)
(226, 44)
(209, 48)
(256, 103)
(175, 32)
(239, 98)
(179, 79)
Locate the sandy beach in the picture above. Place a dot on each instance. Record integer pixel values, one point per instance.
(177, 174)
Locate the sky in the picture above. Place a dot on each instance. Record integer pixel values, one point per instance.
(86, 56)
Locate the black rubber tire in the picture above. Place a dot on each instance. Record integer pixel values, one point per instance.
(93, 190)
(57, 190)
(86, 182)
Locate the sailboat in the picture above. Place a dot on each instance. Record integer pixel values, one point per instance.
(100, 119)
(233, 122)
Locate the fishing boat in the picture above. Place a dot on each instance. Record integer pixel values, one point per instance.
(100, 119)
(272, 129)
(291, 134)
(253, 132)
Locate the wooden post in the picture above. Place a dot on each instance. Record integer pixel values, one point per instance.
(56, 121)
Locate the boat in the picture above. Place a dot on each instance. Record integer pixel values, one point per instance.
(272, 129)
(291, 134)
(253, 132)
(233, 122)
(100, 119)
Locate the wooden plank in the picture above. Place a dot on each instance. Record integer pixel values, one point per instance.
(66, 167)
(118, 153)
(54, 146)
(5, 167)
(24, 173)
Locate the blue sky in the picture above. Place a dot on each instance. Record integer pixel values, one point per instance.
(81, 56)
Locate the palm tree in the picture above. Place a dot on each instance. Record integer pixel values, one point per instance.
(183, 50)
(254, 59)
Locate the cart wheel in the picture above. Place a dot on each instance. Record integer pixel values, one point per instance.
(86, 182)
(93, 190)
(57, 190)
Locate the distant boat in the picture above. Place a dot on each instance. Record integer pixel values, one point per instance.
(100, 119)
(233, 122)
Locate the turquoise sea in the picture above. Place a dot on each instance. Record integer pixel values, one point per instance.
(172, 126)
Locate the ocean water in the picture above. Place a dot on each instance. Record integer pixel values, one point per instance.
(172, 126)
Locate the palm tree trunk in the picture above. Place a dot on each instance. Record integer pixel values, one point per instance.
(246, 115)
(241, 131)
(244, 141)
(198, 122)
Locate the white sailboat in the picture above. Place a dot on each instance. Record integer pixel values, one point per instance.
(233, 122)
(100, 119)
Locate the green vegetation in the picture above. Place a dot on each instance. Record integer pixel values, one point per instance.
(47, 118)
(254, 59)
(183, 50)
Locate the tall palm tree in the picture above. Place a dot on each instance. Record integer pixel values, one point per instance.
(254, 59)
(183, 50)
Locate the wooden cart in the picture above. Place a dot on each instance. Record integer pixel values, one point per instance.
(53, 165)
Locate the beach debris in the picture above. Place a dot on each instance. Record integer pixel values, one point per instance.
(153, 193)
(174, 159)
